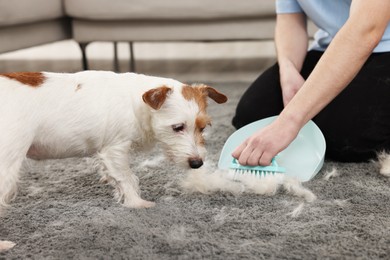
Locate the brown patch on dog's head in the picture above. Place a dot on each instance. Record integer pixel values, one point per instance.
(32, 79)
(201, 121)
(156, 97)
(196, 94)
(199, 94)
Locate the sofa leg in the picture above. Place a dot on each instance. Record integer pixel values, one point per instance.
(132, 58)
(83, 47)
(116, 60)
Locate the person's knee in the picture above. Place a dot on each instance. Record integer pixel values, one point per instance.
(247, 111)
(346, 150)
(237, 122)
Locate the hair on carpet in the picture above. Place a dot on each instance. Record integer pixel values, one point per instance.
(63, 212)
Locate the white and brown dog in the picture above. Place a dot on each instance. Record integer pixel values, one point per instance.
(53, 115)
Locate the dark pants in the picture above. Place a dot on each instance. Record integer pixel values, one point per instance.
(356, 124)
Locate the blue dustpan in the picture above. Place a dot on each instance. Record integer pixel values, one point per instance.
(302, 159)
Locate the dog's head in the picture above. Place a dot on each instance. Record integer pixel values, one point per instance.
(179, 118)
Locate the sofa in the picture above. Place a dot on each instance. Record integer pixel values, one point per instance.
(26, 23)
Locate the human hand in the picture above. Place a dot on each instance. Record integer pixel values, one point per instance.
(265, 144)
(291, 81)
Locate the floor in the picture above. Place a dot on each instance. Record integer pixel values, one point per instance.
(201, 62)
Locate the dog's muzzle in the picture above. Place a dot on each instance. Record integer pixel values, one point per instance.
(195, 163)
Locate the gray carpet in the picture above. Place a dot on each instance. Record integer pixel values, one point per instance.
(63, 212)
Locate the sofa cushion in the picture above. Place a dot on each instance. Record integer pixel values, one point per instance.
(14, 12)
(215, 30)
(168, 9)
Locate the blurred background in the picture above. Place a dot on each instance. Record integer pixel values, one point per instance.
(195, 62)
(192, 41)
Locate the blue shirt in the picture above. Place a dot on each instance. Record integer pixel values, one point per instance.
(329, 16)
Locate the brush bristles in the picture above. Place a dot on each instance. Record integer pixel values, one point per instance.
(235, 174)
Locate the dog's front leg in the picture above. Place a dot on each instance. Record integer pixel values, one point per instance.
(9, 175)
(116, 162)
(13, 148)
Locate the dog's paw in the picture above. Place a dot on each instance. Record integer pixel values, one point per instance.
(6, 245)
(140, 204)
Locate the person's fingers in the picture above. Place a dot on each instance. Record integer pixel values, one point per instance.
(245, 154)
(265, 159)
(237, 152)
(254, 151)
(254, 157)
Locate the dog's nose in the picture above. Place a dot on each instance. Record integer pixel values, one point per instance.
(195, 163)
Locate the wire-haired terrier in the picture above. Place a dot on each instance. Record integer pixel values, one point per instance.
(54, 115)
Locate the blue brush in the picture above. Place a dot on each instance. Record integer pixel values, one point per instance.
(236, 170)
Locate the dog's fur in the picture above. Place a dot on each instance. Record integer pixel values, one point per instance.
(384, 163)
(53, 115)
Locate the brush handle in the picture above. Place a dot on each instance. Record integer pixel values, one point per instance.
(274, 167)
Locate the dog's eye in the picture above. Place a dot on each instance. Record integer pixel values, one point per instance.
(202, 129)
(178, 128)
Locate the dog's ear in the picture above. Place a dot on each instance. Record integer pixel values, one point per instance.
(214, 94)
(156, 97)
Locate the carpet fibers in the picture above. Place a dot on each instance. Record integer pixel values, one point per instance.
(63, 212)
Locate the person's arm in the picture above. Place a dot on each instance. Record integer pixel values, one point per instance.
(340, 63)
(291, 42)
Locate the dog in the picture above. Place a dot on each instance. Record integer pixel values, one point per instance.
(47, 115)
